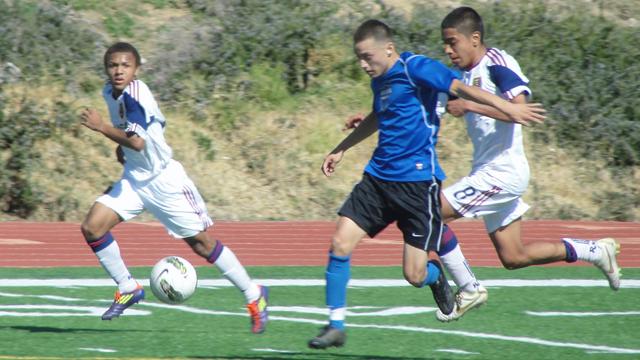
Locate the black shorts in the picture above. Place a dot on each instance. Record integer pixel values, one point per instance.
(374, 203)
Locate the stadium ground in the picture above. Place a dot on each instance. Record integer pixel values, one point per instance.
(52, 291)
(304, 243)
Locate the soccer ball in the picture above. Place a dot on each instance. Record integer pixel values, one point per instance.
(173, 280)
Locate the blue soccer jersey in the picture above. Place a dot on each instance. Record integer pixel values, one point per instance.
(404, 102)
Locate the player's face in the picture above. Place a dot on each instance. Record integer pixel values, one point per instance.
(121, 69)
(461, 49)
(374, 57)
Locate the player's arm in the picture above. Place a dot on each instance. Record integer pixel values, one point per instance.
(91, 119)
(366, 128)
(517, 112)
(458, 107)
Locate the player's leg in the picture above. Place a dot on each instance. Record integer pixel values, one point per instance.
(515, 255)
(176, 202)
(363, 213)
(470, 294)
(337, 275)
(601, 253)
(420, 271)
(96, 230)
(228, 264)
(421, 224)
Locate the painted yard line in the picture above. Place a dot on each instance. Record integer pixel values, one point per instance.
(582, 314)
(589, 348)
(518, 339)
(353, 283)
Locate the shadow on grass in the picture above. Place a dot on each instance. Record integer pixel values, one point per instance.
(321, 355)
(49, 329)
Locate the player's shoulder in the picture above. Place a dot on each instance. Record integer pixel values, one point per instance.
(500, 57)
(107, 89)
(410, 58)
(139, 90)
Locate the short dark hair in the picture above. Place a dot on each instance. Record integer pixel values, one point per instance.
(121, 47)
(465, 20)
(373, 29)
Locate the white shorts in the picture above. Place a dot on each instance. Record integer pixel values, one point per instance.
(478, 196)
(171, 197)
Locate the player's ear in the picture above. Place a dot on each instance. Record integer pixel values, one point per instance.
(390, 48)
(476, 38)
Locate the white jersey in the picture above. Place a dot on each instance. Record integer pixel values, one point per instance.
(135, 110)
(498, 148)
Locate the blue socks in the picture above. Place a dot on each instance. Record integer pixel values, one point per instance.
(433, 272)
(337, 276)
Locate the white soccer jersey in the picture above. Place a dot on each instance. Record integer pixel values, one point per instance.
(498, 147)
(135, 110)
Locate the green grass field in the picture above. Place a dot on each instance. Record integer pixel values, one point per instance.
(533, 320)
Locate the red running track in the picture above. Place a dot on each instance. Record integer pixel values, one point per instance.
(50, 244)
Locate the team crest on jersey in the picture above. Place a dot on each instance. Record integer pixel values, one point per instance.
(477, 82)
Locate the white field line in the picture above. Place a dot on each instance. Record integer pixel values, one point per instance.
(630, 283)
(416, 329)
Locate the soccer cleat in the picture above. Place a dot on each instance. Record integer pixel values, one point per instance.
(258, 311)
(465, 301)
(608, 263)
(122, 302)
(328, 337)
(442, 293)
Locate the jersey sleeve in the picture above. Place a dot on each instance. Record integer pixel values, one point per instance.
(506, 74)
(140, 105)
(423, 71)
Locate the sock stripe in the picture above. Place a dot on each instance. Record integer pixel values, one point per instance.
(572, 256)
(215, 254)
(102, 242)
(449, 241)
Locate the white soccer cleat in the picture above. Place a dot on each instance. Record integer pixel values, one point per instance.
(608, 263)
(465, 301)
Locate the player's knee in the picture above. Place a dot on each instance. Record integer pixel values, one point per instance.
(415, 277)
(513, 263)
(89, 231)
(340, 247)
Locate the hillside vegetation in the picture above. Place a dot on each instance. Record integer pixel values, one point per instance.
(256, 92)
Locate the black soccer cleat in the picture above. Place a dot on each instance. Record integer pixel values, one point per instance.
(328, 337)
(442, 293)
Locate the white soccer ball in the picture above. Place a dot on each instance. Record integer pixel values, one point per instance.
(173, 280)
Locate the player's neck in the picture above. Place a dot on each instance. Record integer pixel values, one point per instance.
(479, 54)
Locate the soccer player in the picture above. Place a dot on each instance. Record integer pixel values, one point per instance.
(500, 172)
(402, 180)
(151, 181)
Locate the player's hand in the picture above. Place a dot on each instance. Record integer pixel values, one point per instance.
(353, 121)
(330, 163)
(456, 107)
(525, 114)
(120, 154)
(91, 119)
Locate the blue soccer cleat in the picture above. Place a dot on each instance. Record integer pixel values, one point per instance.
(258, 311)
(122, 302)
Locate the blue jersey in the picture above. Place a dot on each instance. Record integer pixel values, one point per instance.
(404, 102)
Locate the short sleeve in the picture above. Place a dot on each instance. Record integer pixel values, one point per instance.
(423, 71)
(508, 81)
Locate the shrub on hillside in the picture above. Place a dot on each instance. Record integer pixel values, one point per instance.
(44, 39)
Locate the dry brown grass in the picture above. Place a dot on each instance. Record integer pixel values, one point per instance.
(270, 169)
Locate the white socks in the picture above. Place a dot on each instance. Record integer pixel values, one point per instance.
(112, 262)
(457, 266)
(232, 270)
(586, 250)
